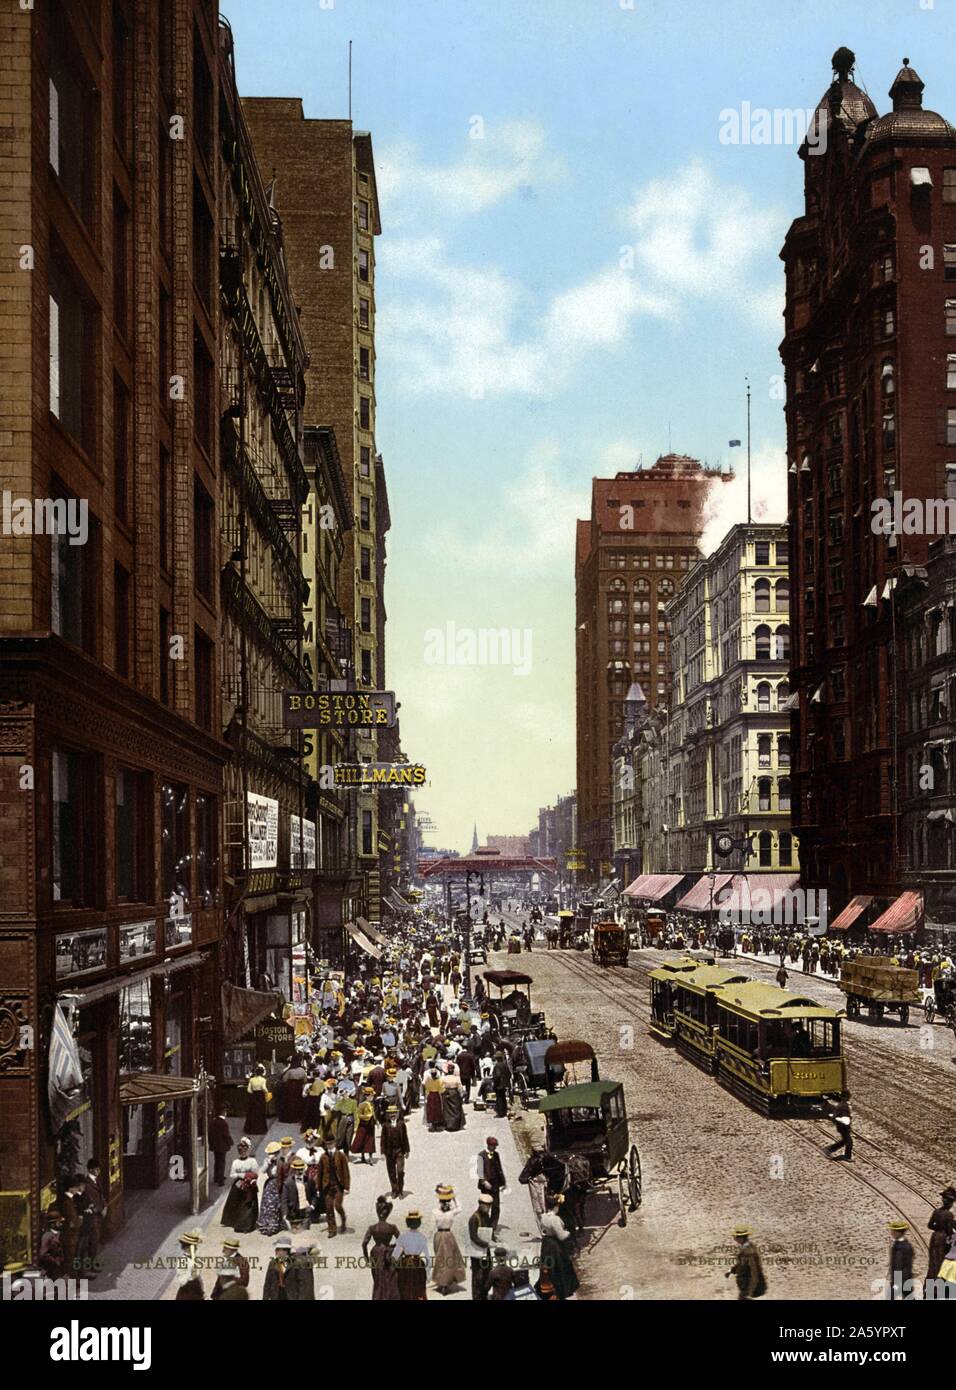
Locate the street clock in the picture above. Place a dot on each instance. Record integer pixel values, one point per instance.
(725, 844)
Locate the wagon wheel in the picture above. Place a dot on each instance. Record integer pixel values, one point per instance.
(904, 1014)
(635, 1186)
(622, 1194)
(852, 1007)
(929, 1012)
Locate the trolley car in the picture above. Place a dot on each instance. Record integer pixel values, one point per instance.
(609, 944)
(662, 993)
(565, 930)
(779, 1051)
(695, 996)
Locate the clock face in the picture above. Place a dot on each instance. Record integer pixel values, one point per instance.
(724, 844)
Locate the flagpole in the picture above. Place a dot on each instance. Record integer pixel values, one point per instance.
(747, 379)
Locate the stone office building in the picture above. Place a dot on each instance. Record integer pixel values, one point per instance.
(111, 754)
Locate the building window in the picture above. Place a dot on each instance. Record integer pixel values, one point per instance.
(889, 431)
(886, 267)
(202, 539)
(365, 461)
(363, 313)
(762, 596)
(364, 363)
(71, 359)
(366, 563)
(782, 643)
(363, 215)
(121, 617)
(133, 882)
(366, 832)
(72, 139)
(951, 372)
(175, 842)
(783, 794)
(761, 552)
(764, 750)
(365, 413)
(204, 687)
(363, 265)
(949, 261)
(763, 696)
(74, 830)
(763, 794)
(70, 585)
(887, 377)
(950, 481)
(889, 322)
(207, 849)
(766, 849)
(785, 843)
(782, 595)
(762, 642)
(950, 427)
(203, 392)
(366, 666)
(951, 318)
(202, 245)
(202, 98)
(365, 513)
(366, 615)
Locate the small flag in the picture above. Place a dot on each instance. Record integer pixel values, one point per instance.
(65, 1089)
(733, 443)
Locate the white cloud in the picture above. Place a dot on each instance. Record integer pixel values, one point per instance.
(509, 158)
(768, 495)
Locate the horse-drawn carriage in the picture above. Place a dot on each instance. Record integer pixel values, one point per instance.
(941, 1003)
(588, 1148)
(510, 1013)
(609, 944)
(562, 935)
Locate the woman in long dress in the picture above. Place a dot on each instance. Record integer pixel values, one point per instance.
(434, 1109)
(312, 1105)
(256, 1089)
(411, 1260)
(364, 1141)
(289, 1101)
(270, 1210)
(382, 1236)
(241, 1209)
(449, 1264)
(453, 1110)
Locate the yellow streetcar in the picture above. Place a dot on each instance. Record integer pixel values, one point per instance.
(780, 1051)
(663, 980)
(696, 996)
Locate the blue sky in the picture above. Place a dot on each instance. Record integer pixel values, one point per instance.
(590, 278)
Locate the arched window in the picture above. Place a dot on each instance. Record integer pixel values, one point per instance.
(783, 694)
(665, 587)
(783, 643)
(762, 596)
(762, 642)
(617, 586)
(888, 376)
(783, 794)
(785, 841)
(642, 586)
(763, 695)
(616, 605)
(764, 750)
(763, 794)
(766, 849)
(782, 595)
(783, 750)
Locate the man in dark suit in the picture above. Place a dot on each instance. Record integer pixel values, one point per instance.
(480, 1236)
(334, 1180)
(220, 1141)
(843, 1120)
(491, 1173)
(395, 1147)
(466, 1070)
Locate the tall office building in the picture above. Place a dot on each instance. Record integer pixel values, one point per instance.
(326, 194)
(870, 357)
(631, 557)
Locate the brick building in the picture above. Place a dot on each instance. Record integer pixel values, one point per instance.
(327, 197)
(112, 757)
(631, 557)
(870, 358)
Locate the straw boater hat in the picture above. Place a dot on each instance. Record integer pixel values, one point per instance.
(741, 1231)
(298, 1164)
(273, 1147)
(445, 1192)
(190, 1238)
(899, 1226)
(230, 1244)
(411, 1216)
(286, 1142)
(283, 1243)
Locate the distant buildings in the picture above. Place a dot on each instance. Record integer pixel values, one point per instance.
(631, 558)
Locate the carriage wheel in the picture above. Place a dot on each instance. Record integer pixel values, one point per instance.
(852, 1007)
(622, 1194)
(904, 1014)
(929, 1012)
(635, 1183)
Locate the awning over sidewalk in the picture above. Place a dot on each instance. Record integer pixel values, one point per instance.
(758, 893)
(844, 920)
(902, 916)
(152, 1088)
(242, 1009)
(653, 887)
(702, 896)
(362, 941)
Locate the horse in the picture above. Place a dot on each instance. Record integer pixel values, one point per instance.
(568, 1178)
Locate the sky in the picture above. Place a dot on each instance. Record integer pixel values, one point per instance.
(578, 270)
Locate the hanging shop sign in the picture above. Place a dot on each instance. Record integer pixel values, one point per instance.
(262, 815)
(338, 709)
(387, 775)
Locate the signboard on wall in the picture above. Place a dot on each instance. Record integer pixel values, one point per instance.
(306, 837)
(262, 815)
(338, 709)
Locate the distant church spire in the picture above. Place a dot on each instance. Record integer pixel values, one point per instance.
(474, 839)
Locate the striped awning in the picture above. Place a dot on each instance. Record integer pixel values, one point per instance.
(701, 896)
(902, 916)
(844, 920)
(757, 892)
(362, 941)
(653, 887)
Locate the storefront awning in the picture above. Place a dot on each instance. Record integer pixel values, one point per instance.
(703, 894)
(105, 988)
(757, 893)
(844, 920)
(362, 941)
(902, 916)
(653, 887)
(371, 932)
(242, 1009)
(151, 1088)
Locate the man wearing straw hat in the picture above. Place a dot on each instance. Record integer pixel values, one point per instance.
(235, 1266)
(190, 1279)
(747, 1268)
